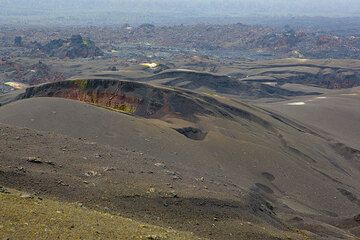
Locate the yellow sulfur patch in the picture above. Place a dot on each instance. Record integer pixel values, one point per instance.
(149, 65)
(16, 85)
(81, 84)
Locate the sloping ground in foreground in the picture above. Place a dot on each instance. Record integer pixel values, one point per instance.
(156, 164)
(116, 181)
(26, 217)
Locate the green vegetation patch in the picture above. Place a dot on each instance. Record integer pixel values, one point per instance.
(23, 217)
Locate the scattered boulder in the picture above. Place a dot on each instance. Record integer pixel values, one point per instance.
(50, 163)
(151, 190)
(3, 190)
(91, 174)
(162, 165)
(108, 169)
(34, 160)
(357, 218)
(26, 195)
(153, 237)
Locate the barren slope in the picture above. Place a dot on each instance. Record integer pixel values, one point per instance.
(336, 113)
(247, 164)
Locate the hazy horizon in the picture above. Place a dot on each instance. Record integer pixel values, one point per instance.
(161, 11)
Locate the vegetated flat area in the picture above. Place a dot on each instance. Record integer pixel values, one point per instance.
(24, 216)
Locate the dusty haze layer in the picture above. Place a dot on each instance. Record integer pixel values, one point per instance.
(161, 11)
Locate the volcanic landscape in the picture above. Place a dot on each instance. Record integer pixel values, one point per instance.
(188, 146)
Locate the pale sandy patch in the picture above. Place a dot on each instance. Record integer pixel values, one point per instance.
(349, 94)
(296, 104)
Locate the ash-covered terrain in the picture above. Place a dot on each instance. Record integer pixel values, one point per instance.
(179, 132)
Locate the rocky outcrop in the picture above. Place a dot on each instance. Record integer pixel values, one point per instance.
(18, 41)
(29, 74)
(75, 47)
(127, 97)
(143, 100)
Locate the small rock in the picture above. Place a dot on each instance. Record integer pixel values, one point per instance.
(26, 195)
(160, 165)
(176, 177)
(21, 169)
(107, 169)
(168, 172)
(262, 208)
(3, 190)
(91, 173)
(174, 194)
(153, 237)
(34, 160)
(200, 179)
(60, 182)
(357, 218)
(50, 163)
